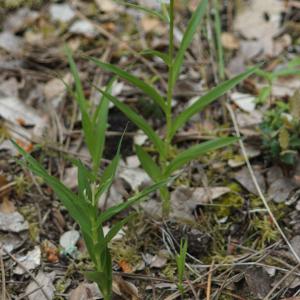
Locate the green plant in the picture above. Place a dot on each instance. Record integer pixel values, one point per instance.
(165, 165)
(291, 68)
(180, 261)
(281, 131)
(83, 206)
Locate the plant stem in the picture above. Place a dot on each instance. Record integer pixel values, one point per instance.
(170, 76)
(218, 33)
(165, 195)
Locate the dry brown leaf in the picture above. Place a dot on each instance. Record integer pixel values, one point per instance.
(229, 41)
(86, 291)
(149, 24)
(7, 206)
(125, 289)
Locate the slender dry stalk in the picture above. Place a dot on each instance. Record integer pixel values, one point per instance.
(209, 279)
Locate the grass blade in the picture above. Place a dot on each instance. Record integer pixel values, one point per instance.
(138, 120)
(83, 179)
(146, 88)
(196, 151)
(188, 37)
(208, 98)
(148, 163)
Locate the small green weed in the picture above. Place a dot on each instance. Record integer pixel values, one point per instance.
(281, 131)
(180, 260)
(291, 69)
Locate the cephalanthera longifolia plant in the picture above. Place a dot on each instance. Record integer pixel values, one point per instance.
(83, 206)
(164, 166)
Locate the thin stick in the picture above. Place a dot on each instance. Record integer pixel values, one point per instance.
(209, 279)
(260, 193)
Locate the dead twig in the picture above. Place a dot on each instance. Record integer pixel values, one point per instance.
(209, 279)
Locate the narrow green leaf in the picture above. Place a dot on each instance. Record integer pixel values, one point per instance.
(188, 37)
(286, 72)
(147, 10)
(137, 120)
(146, 88)
(82, 103)
(116, 228)
(161, 55)
(208, 98)
(99, 127)
(148, 163)
(79, 209)
(84, 187)
(89, 245)
(196, 151)
(218, 35)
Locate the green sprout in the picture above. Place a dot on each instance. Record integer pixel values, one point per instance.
(180, 261)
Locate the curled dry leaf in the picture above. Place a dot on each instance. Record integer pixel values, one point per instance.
(125, 289)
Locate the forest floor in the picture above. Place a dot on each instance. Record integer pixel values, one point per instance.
(235, 250)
